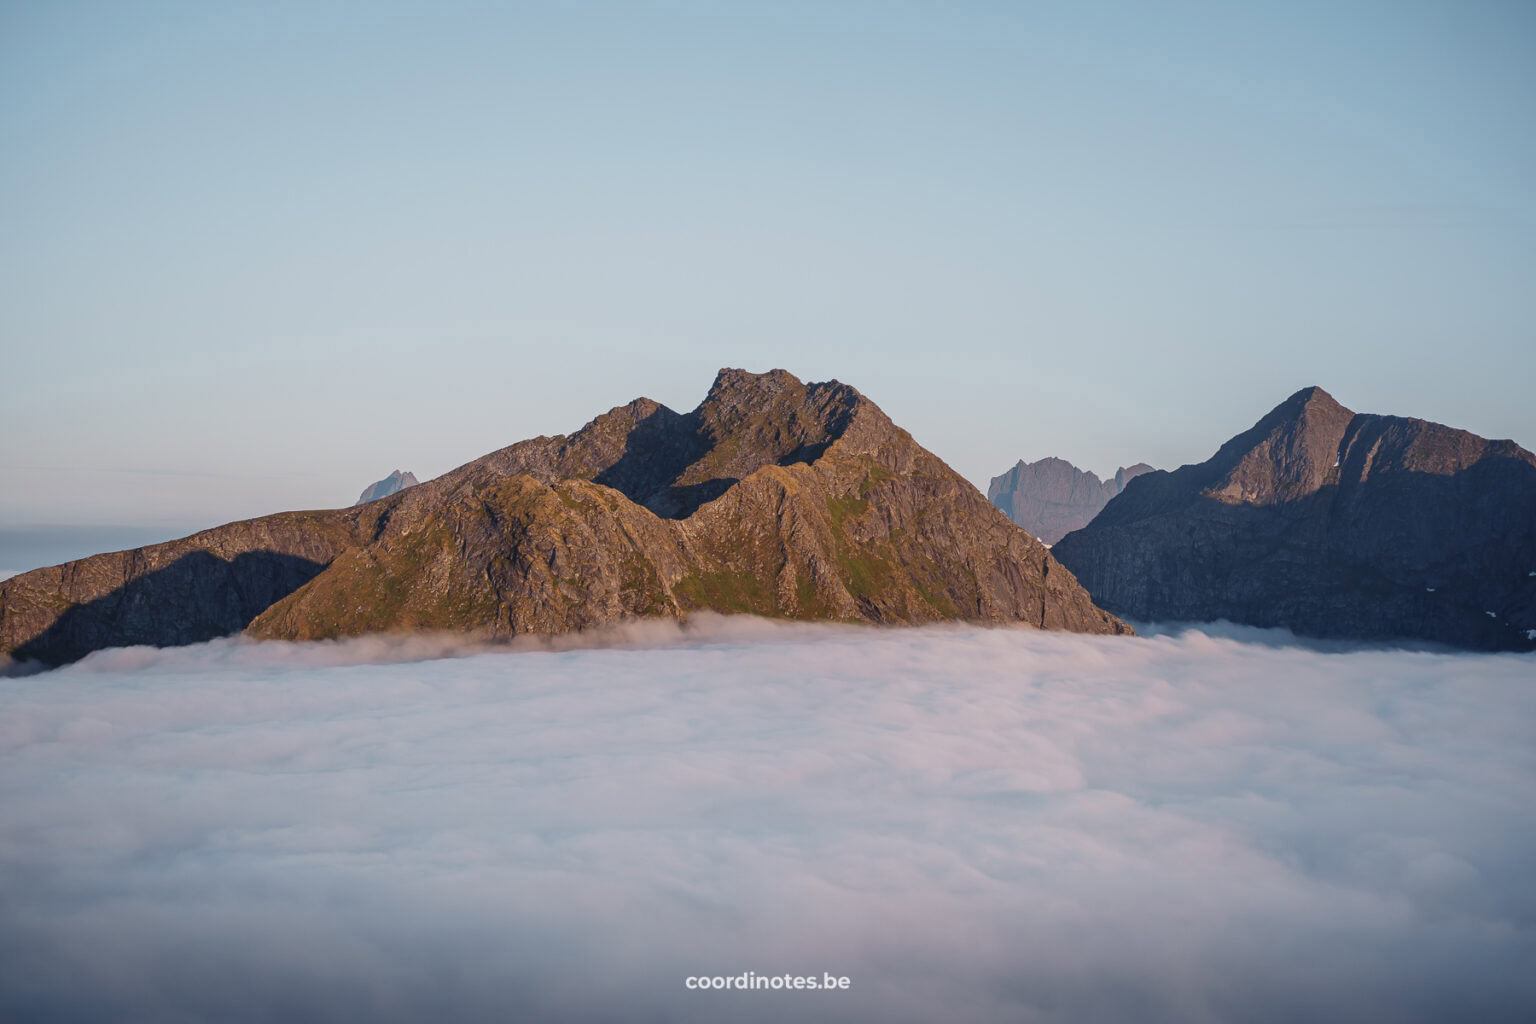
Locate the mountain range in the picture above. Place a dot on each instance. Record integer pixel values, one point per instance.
(772, 497)
(1331, 523)
(804, 501)
(1052, 497)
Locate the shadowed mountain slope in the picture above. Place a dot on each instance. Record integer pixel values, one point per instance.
(773, 497)
(1333, 524)
(1052, 497)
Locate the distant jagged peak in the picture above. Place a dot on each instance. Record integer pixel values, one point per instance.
(1125, 474)
(392, 484)
(1051, 497)
(1052, 464)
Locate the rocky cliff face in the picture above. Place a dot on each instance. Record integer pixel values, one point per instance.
(1333, 524)
(773, 497)
(395, 482)
(1052, 497)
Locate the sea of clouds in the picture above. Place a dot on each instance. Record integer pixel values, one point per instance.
(972, 825)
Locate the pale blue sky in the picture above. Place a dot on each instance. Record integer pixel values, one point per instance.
(256, 256)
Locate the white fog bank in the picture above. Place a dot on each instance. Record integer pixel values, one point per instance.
(972, 825)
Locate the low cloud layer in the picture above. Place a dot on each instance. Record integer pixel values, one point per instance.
(972, 825)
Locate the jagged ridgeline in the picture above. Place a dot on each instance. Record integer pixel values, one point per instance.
(773, 497)
(1331, 523)
(1052, 497)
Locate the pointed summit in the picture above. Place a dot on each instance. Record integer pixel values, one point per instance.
(1329, 523)
(1286, 455)
(1310, 404)
(1310, 394)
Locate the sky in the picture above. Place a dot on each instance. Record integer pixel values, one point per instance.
(971, 825)
(256, 256)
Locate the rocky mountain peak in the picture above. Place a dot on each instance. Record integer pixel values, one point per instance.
(1332, 523)
(1311, 396)
(773, 497)
(1290, 453)
(735, 384)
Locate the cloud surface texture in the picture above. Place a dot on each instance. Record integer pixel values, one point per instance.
(970, 824)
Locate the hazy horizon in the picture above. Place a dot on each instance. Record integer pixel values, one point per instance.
(257, 257)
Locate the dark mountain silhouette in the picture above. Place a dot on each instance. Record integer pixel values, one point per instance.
(395, 482)
(1052, 497)
(772, 497)
(1331, 523)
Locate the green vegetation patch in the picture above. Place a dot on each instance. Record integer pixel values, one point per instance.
(841, 509)
(866, 569)
(873, 478)
(640, 586)
(742, 593)
(808, 600)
